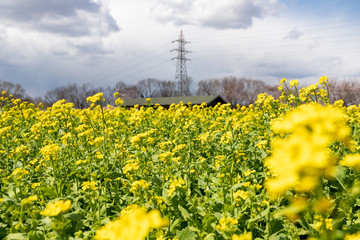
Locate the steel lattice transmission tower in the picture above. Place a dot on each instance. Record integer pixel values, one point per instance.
(181, 77)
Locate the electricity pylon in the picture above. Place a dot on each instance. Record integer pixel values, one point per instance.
(181, 77)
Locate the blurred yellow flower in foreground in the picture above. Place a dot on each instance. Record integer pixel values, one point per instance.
(245, 236)
(354, 236)
(299, 160)
(132, 226)
(29, 200)
(351, 160)
(56, 208)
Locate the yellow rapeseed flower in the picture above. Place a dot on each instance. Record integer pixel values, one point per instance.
(301, 159)
(18, 173)
(174, 184)
(56, 208)
(293, 83)
(282, 81)
(240, 194)
(355, 236)
(50, 150)
(92, 185)
(132, 226)
(323, 80)
(245, 236)
(29, 200)
(139, 185)
(227, 224)
(328, 223)
(96, 98)
(351, 160)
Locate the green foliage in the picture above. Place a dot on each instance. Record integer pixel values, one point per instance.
(202, 168)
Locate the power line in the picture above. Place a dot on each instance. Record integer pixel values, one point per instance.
(273, 31)
(138, 72)
(140, 59)
(133, 65)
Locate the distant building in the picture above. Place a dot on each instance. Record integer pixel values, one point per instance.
(167, 101)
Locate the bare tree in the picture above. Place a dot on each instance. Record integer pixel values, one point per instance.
(13, 89)
(234, 90)
(125, 91)
(252, 88)
(148, 88)
(346, 90)
(210, 87)
(71, 93)
(273, 91)
(128, 92)
(167, 88)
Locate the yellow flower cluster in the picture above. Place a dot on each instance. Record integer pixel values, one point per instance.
(324, 80)
(351, 160)
(300, 159)
(174, 184)
(320, 223)
(194, 163)
(312, 93)
(96, 98)
(18, 173)
(137, 138)
(131, 165)
(50, 151)
(240, 194)
(293, 83)
(355, 236)
(92, 185)
(119, 101)
(56, 208)
(245, 236)
(139, 185)
(227, 224)
(29, 200)
(132, 226)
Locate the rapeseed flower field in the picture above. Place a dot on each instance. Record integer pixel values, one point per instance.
(284, 168)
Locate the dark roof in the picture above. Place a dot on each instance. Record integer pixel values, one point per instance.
(167, 101)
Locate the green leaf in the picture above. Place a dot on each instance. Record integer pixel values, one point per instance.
(74, 216)
(16, 236)
(184, 213)
(186, 234)
(281, 236)
(210, 236)
(303, 232)
(174, 224)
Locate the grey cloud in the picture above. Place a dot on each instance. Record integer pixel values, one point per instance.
(238, 16)
(285, 69)
(66, 17)
(293, 34)
(224, 14)
(92, 48)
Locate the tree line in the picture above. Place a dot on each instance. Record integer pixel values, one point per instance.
(234, 90)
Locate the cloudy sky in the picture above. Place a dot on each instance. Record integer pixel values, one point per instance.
(49, 43)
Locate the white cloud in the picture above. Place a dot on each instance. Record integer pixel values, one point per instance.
(224, 14)
(54, 43)
(293, 34)
(72, 18)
